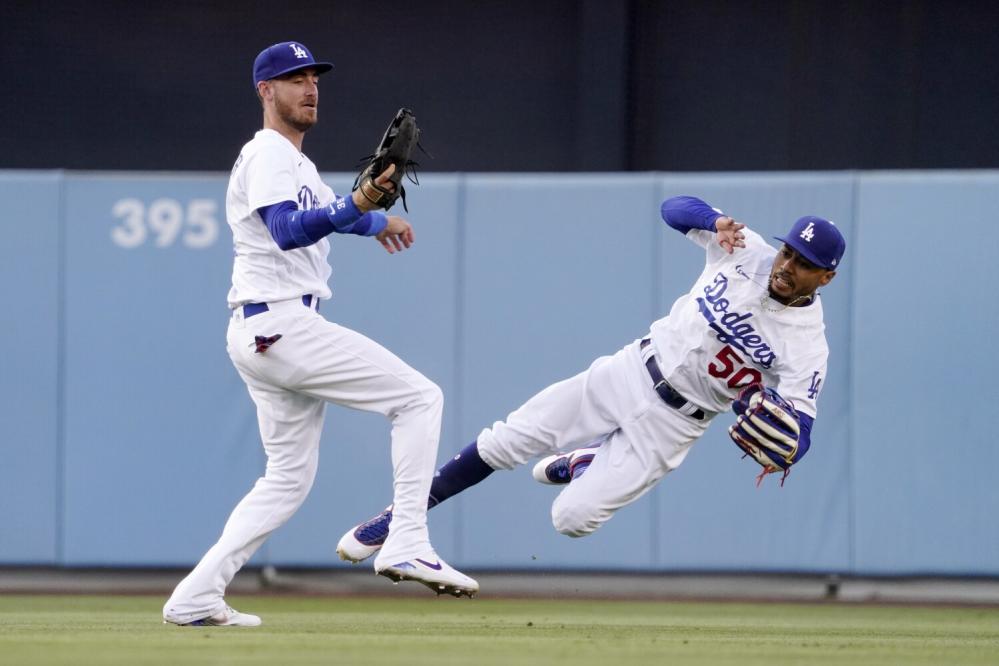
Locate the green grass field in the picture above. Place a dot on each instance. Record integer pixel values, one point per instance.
(324, 630)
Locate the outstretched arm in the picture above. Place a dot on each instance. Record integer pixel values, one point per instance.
(685, 213)
(293, 228)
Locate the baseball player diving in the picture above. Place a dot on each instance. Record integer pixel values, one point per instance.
(749, 334)
(294, 361)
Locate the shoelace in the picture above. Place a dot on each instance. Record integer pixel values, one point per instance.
(783, 476)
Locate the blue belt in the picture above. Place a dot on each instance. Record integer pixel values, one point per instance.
(668, 394)
(251, 309)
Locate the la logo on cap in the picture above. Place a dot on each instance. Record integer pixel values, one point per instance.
(808, 233)
(817, 240)
(298, 51)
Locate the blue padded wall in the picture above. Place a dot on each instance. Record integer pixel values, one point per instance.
(30, 366)
(924, 472)
(128, 436)
(160, 437)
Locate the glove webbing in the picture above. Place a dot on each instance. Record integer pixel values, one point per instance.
(408, 171)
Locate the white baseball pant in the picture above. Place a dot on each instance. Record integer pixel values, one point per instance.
(315, 362)
(613, 399)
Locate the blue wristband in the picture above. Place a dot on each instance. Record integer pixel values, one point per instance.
(292, 228)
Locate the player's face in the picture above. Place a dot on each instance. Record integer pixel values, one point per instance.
(793, 277)
(296, 98)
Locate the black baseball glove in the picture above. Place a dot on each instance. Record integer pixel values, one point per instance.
(401, 137)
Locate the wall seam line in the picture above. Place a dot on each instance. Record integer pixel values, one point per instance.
(60, 443)
(851, 508)
(457, 400)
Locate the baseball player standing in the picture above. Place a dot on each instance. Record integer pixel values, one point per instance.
(749, 334)
(294, 361)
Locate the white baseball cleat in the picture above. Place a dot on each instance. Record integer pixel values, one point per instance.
(227, 617)
(562, 468)
(364, 540)
(435, 573)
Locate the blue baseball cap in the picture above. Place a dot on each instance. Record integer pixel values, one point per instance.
(817, 240)
(284, 58)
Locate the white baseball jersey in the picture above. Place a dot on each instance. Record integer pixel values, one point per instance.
(305, 363)
(270, 170)
(727, 332)
(721, 336)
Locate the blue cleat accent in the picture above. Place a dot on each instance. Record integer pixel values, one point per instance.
(366, 539)
(557, 471)
(433, 572)
(375, 531)
(562, 468)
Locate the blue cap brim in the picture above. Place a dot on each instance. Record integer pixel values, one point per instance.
(320, 67)
(806, 252)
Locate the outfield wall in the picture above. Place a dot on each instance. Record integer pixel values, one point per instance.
(127, 436)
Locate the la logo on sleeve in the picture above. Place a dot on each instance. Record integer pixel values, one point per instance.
(813, 390)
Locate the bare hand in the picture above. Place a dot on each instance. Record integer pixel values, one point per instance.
(729, 234)
(383, 181)
(366, 194)
(397, 234)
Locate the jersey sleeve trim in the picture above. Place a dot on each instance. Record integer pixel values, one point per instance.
(292, 228)
(684, 213)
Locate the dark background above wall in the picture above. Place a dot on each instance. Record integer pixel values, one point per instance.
(515, 85)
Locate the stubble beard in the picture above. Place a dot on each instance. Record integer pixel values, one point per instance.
(773, 293)
(294, 116)
(786, 301)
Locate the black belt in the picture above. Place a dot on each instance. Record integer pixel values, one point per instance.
(251, 309)
(665, 391)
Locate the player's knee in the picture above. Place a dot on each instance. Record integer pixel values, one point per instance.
(431, 395)
(435, 395)
(294, 481)
(424, 402)
(573, 519)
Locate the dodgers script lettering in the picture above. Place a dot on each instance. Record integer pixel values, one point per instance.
(733, 328)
